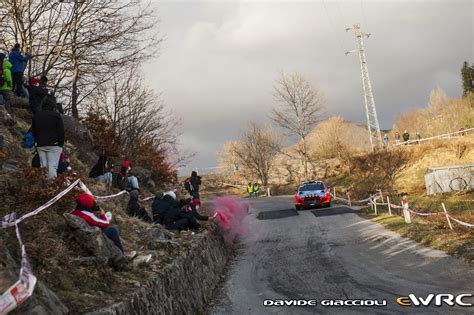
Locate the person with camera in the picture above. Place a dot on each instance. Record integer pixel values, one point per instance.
(18, 62)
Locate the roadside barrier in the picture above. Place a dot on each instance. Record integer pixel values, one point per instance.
(425, 214)
(24, 287)
(372, 202)
(444, 136)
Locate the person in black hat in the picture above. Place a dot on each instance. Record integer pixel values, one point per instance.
(135, 210)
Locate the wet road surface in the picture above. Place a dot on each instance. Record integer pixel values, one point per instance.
(333, 254)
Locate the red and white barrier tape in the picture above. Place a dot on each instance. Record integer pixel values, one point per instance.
(6, 224)
(110, 196)
(21, 290)
(425, 214)
(357, 201)
(461, 222)
(24, 287)
(123, 192)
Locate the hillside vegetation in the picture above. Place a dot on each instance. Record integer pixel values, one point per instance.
(57, 259)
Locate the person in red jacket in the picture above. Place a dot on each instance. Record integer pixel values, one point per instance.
(88, 210)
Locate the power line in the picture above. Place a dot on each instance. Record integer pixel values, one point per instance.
(363, 12)
(331, 22)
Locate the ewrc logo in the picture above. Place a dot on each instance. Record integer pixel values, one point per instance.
(435, 299)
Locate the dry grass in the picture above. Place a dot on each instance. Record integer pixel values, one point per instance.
(433, 233)
(434, 154)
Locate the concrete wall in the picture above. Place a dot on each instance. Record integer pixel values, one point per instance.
(449, 179)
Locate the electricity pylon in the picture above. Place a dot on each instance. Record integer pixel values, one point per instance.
(372, 121)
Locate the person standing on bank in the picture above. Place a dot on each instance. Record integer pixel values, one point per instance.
(192, 184)
(48, 131)
(18, 62)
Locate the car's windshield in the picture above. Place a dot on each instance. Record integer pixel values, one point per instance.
(309, 187)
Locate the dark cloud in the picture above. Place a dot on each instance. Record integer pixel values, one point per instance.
(219, 60)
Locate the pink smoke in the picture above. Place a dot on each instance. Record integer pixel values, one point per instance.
(230, 214)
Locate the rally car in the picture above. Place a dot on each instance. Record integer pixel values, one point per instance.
(312, 194)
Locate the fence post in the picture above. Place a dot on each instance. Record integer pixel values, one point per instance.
(268, 192)
(334, 192)
(375, 205)
(381, 194)
(406, 213)
(389, 208)
(349, 198)
(447, 216)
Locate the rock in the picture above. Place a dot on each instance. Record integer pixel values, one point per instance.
(9, 167)
(82, 139)
(87, 261)
(162, 244)
(42, 302)
(94, 241)
(74, 129)
(142, 173)
(5, 117)
(151, 184)
(184, 286)
(160, 233)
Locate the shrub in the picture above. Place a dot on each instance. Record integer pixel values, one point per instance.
(378, 170)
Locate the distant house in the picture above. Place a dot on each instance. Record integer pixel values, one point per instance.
(449, 178)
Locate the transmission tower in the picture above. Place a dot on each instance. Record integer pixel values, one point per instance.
(372, 121)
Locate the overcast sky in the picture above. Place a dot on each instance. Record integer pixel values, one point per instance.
(219, 59)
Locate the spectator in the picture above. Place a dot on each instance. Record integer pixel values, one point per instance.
(125, 179)
(418, 137)
(461, 130)
(256, 190)
(192, 184)
(385, 140)
(88, 210)
(6, 82)
(48, 131)
(250, 190)
(406, 137)
(43, 83)
(195, 205)
(64, 163)
(179, 218)
(102, 170)
(37, 94)
(135, 210)
(18, 67)
(161, 204)
(397, 138)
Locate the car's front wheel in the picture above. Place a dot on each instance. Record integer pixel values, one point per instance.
(297, 207)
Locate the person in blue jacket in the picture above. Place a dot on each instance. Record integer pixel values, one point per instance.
(18, 62)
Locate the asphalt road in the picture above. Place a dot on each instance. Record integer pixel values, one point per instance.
(333, 254)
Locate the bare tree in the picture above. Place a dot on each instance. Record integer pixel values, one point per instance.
(80, 44)
(107, 36)
(301, 108)
(256, 150)
(137, 114)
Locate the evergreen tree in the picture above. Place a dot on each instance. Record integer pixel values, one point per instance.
(467, 73)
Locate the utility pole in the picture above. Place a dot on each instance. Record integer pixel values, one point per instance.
(372, 121)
